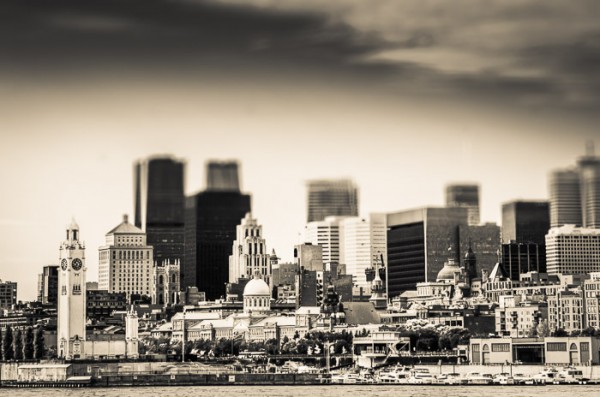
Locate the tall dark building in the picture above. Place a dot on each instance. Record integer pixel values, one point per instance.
(419, 241)
(222, 176)
(211, 218)
(524, 227)
(48, 285)
(525, 221)
(159, 205)
(338, 197)
(467, 196)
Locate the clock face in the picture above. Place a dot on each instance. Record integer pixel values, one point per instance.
(63, 264)
(76, 264)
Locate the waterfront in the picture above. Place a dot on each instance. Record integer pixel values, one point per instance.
(328, 391)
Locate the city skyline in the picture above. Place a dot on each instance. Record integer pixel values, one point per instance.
(401, 97)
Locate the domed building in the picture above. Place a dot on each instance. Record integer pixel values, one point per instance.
(449, 272)
(257, 296)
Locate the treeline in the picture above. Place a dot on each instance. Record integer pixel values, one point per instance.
(313, 342)
(18, 345)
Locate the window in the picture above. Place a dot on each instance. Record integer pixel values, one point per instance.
(556, 347)
(500, 347)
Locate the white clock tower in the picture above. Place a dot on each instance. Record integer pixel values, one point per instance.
(71, 296)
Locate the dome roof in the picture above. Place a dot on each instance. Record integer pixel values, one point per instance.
(255, 287)
(447, 273)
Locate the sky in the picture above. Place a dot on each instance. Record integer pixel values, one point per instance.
(402, 96)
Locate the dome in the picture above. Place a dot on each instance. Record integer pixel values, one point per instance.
(257, 287)
(448, 271)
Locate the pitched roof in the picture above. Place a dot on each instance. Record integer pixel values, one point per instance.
(498, 272)
(126, 228)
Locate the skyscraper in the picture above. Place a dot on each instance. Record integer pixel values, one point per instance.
(589, 179)
(466, 196)
(575, 193)
(419, 241)
(211, 218)
(524, 228)
(525, 221)
(338, 197)
(222, 176)
(565, 198)
(362, 240)
(159, 205)
(573, 250)
(325, 233)
(249, 252)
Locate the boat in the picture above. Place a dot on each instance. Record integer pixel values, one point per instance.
(396, 375)
(420, 376)
(452, 378)
(476, 378)
(521, 379)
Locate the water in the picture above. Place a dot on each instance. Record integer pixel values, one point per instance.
(315, 391)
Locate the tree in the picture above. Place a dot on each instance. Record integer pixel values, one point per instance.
(543, 329)
(453, 337)
(427, 339)
(38, 343)
(590, 331)
(18, 345)
(560, 332)
(7, 345)
(28, 344)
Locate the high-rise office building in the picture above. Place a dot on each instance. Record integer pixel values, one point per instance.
(48, 285)
(222, 176)
(249, 254)
(211, 218)
(524, 228)
(362, 241)
(126, 261)
(575, 193)
(309, 256)
(525, 221)
(573, 250)
(589, 180)
(419, 241)
(159, 205)
(325, 233)
(466, 196)
(565, 198)
(337, 197)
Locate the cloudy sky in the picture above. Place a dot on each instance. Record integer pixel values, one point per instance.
(402, 96)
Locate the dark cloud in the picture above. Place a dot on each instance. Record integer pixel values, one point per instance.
(537, 54)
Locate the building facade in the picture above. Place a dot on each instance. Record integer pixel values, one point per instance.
(418, 243)
(336, 197)
(126, 261)
(159, 205)
(362, 241)
(166, 283)
(326, 234)
(573, 250)
(210, 229)
(565, 198)
(48, 285)
(465, 196)
(249, 255)
(8, 294)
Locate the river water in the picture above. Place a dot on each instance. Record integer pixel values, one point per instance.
(316, 391)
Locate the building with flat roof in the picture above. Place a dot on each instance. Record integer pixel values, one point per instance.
(331, 197)
(159, 205)
(48, 285)
(573, 250)
(8, 294)
(465, 196)
(419, 241)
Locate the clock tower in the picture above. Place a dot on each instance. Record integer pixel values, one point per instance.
(70, 336)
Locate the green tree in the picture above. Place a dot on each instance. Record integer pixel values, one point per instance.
(7, 345)
(38, 343)
(28, 344)
(18, 345)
